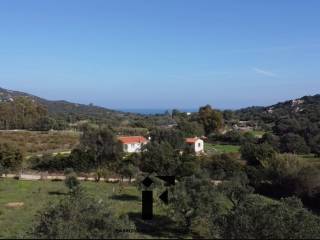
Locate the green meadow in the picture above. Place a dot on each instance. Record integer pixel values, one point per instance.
(220, 148)
(15, 221)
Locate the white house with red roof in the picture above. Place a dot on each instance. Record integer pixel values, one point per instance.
(132, 144)
(196, 144)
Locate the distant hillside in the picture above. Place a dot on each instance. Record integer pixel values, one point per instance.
(63, 108)
(19, 110)
(305, 107)
(293, 126)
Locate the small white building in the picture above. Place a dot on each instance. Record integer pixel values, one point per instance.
(196, 144)
(132, 144)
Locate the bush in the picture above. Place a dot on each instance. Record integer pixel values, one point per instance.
(233, 137)
(49, 162)
(78, 160)
(81, 161)
(282, 165)
(248, 137)
(71, 181)
(79, 217)
(288, 175)
(10, 157)
(2, 170)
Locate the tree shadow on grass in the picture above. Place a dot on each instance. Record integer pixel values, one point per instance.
(125, 197)
(159, 226)
(58, 193)
(56, 180)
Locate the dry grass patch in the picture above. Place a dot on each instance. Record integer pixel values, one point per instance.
(34, 142)
(14, 205)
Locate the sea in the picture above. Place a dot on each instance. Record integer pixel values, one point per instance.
(153, 111)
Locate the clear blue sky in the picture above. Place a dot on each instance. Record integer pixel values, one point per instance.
(161, 53)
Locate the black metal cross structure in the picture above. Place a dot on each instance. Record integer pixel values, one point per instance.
(147, 195)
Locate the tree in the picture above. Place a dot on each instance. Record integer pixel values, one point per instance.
(161, 158)
(22, 113)
(50, 162)
(81, 160)
(172, 136)
(222, 166)
(282, 165)
(128, 171)
(287, 219)
(45, 123)
(287, 175)
(190, 128)
(315, 145)
(211, 120)
(79, 217)
(272, 140)
(188, 165)
(229, 115)
(102, 144)
(254, 153)
(248, 137)
(10, 157)
(191, 199)
(233, 137)
(236, 189)
(308, 182)
(286, 125)
(128, 167)
(176, 113)
(293, 143)
(199, 206)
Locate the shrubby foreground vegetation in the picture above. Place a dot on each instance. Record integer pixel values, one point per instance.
(79, 216)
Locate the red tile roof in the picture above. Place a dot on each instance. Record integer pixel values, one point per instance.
(132, 139)
(191, 140)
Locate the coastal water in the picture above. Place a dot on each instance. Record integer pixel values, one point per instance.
(148, 111)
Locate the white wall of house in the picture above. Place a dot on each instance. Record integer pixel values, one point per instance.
(198, 146)
(132, 147)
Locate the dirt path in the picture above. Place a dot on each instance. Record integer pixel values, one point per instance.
(44, 176)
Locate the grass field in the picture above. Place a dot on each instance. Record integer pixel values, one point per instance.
(220, 148)
(310, 158)
(36, 195)
(33, 142)
(257, 133)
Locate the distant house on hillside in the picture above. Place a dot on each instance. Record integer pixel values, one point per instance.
(132, 144)
(243, 126)
(196, 144)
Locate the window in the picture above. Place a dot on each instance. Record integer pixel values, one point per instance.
(199, 144)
